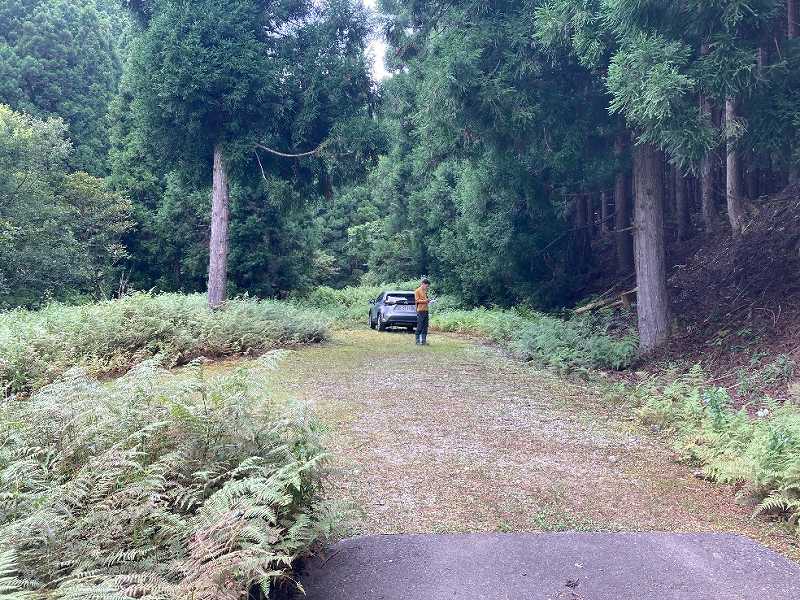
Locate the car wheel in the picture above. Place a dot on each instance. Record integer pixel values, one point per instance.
(370, 321)
(381, 324)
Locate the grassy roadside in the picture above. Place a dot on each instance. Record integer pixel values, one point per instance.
(158, 484)
(755, 448)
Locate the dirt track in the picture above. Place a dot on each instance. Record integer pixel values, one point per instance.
(454, 437)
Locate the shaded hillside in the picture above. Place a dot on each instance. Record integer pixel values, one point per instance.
(737, 302)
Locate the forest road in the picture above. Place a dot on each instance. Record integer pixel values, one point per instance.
(455, 437)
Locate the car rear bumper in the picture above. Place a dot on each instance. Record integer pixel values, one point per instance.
(408, 319)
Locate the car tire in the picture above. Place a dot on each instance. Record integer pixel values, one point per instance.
(371, 322)
(381, 324)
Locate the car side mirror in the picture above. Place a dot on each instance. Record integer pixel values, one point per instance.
(372, 301)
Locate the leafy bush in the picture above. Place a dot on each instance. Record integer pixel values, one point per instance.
(36, 347)
(157, 486)
(761, 453)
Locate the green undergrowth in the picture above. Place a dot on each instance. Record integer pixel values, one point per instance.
(586, 342)
(348, 307)
(36, 347)
(756, 447)
(157, 485)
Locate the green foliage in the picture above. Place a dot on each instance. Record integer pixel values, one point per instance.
(11, 588)
(348, 306)
(350, 228)
(202, 76)
(99, 220)
(291, 75)
(60, 234)
(757, 380)
(157, 486)
(60, 58)
(37, 347)
(566, 345)
(490, 135)
(759, 452)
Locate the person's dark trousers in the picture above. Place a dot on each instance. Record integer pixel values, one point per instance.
(422, 327)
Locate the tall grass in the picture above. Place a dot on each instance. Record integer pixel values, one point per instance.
(156, 486)
(36, 347)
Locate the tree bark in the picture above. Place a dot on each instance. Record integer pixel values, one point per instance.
(681, 205)
(707, 180)
(733, 179)
(669, 191)
(218, 245)
(653, 308)
(622, 216)
(582, 239)
(589, 200)
(604, 212)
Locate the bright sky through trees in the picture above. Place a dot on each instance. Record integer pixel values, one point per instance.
(376, 50)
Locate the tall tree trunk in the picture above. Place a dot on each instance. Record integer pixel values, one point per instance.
(707, 180)
(589, 200)
(653, 308)
(582, 237)
(681, 205)
(622, 215)
(734, 179)
(669, 191)
(791, 19)
(604, 212)
(218, 246)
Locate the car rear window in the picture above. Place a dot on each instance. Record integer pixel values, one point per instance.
(399, 299)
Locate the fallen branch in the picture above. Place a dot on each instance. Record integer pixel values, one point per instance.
(623, 299)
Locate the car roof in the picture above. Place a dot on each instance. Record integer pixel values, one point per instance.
(398, 292)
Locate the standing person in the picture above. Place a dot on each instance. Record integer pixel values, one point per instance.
(422, 302)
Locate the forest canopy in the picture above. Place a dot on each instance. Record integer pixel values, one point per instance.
(518, 152)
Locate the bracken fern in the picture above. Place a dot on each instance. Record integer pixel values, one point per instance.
(759, 453)
(157, 486)
(37, 347)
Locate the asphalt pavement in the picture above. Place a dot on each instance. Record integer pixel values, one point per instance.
(551, 566)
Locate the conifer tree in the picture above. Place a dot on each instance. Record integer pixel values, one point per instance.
(216, 78)
(60, 58)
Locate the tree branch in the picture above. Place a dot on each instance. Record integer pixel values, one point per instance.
(260, 166)
(316, 150)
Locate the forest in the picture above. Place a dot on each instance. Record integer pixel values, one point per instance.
(600, 187)
(508, 138)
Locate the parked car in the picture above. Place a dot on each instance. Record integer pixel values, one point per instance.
(393, 309)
